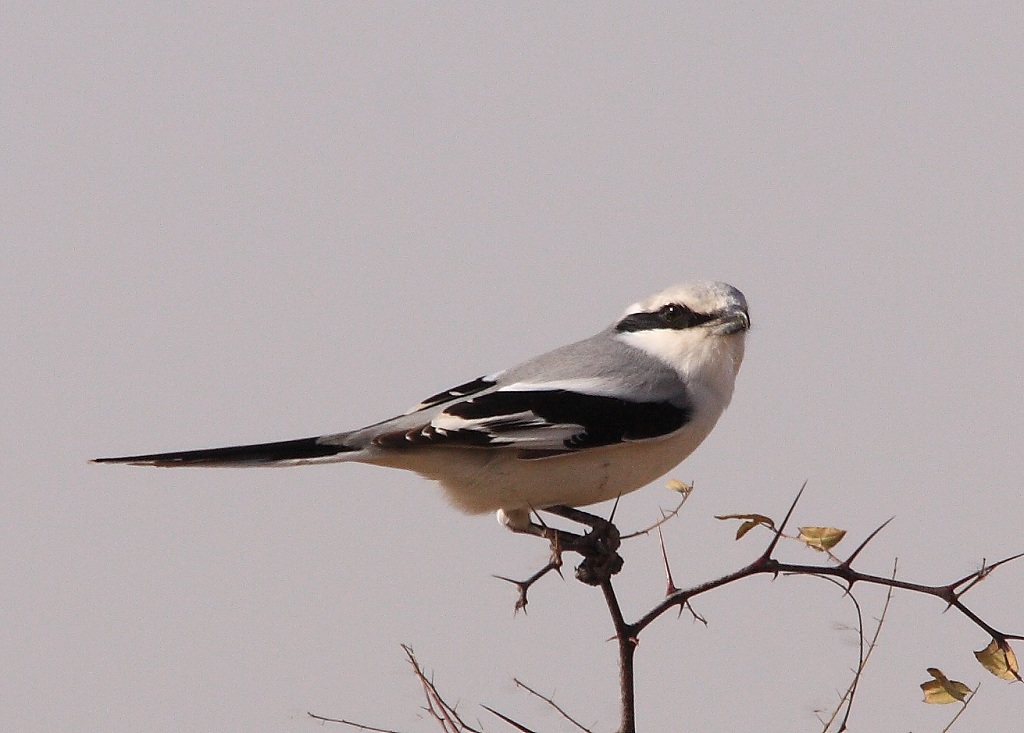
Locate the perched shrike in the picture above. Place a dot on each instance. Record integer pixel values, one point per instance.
(582, 424)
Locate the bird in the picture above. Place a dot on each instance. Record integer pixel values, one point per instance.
(584, 423)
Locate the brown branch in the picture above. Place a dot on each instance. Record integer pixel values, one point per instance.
(766, 564)
(843, 573)
(601, 561)
(555, 563)
(627, 641)
(769, 565)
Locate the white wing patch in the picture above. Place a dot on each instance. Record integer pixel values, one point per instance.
(588, 385)
(524, 429)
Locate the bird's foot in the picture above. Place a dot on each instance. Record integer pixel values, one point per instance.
(598, 547)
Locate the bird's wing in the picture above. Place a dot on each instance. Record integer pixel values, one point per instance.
(539, 418)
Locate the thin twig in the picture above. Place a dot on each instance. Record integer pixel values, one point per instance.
(553, 704)
(445, 714)
(358, 726)
(665, 516)
(847, 699)
(864, 656)
(962, 708)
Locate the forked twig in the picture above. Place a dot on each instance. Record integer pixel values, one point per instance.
(445, 714)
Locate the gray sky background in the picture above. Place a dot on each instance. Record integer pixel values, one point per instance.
(241, 224)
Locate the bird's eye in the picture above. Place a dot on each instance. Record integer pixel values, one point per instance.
(673, 313)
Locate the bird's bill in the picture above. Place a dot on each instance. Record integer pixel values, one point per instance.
(730, 323)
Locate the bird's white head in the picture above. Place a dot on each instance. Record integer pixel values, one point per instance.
(696, 328)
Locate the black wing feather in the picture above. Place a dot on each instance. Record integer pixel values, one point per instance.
(605, 420)
(601, 419)
(472, 387)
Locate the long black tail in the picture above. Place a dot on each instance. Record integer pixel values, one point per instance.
(238, 455)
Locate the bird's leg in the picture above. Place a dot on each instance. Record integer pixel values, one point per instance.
(598, 548)
(560, 539)
(579, 516)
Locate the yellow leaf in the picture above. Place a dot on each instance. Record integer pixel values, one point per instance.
(942, 690)
(749, 522)
(682, 488)
(999, 660)
(821, 539)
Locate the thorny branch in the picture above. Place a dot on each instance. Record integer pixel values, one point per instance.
(627, 634)
(601, 561)
(951, 593)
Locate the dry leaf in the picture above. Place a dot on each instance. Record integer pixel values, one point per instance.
(999, 660)
(942, 690)
(681, 487)
(749, 522)
(821, 539)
